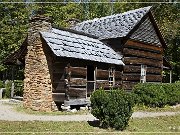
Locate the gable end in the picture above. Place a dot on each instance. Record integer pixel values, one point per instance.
(146, 33)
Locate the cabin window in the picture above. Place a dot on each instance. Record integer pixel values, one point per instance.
(143, 73)
(111, 76)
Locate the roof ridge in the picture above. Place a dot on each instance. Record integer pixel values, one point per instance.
(75, 31)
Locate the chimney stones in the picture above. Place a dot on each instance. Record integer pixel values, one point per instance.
(38, 68)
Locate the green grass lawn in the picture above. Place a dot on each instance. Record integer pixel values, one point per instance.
(158, 125)
(153, 125)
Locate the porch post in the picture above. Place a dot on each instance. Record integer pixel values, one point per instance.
(170, 76)
(95, 72)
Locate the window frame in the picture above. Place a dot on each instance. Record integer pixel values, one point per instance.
(111, 78)
(143, 73)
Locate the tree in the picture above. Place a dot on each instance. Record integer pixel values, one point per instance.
(13, 23)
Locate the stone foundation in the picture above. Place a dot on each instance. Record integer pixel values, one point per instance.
(38, 67)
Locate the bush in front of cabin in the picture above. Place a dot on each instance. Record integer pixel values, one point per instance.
(150, 94)
(172, 93)
(112, 108)
(157, 94)
(99, 101)
(176, 93)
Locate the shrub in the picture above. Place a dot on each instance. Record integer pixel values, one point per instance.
(99, 100)
(1, 84)
(18, 88)
(173, 93)
(112, 108)
(157, 94)
(8, 85)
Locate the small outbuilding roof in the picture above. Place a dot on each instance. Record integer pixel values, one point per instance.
(113, 26)
(65, 43)
(166, 64)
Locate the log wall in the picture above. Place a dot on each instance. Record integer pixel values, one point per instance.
(77, 82)
(70, 79)
(59, 84)
(137, 54)
(68, 82)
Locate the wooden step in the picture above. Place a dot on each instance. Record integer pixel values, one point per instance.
(81, 101)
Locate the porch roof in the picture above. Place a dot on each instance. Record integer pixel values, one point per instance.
(65, 43)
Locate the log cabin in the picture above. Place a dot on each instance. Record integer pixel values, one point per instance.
(136, 36)
(64, 66)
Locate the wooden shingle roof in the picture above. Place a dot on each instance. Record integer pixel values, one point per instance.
(68, 44)
(17, 56)
(146, 33)
(113, 26)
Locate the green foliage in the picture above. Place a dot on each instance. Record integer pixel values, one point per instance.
(168, 20)
(112, 108)
(173, 93)
(18, 84)
(8, 85)
(157, 94)
(1, 84)
(99, 101)
(18, 88)
(13, 23)
(161, 125)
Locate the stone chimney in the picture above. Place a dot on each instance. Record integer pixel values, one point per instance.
(38, 82)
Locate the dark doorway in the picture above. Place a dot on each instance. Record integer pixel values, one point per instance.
(90, 80)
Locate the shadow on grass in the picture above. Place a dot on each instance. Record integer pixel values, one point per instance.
(94, 123)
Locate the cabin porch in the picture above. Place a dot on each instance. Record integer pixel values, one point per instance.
(75, 80)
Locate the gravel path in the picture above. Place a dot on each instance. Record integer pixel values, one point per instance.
(8, 113)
